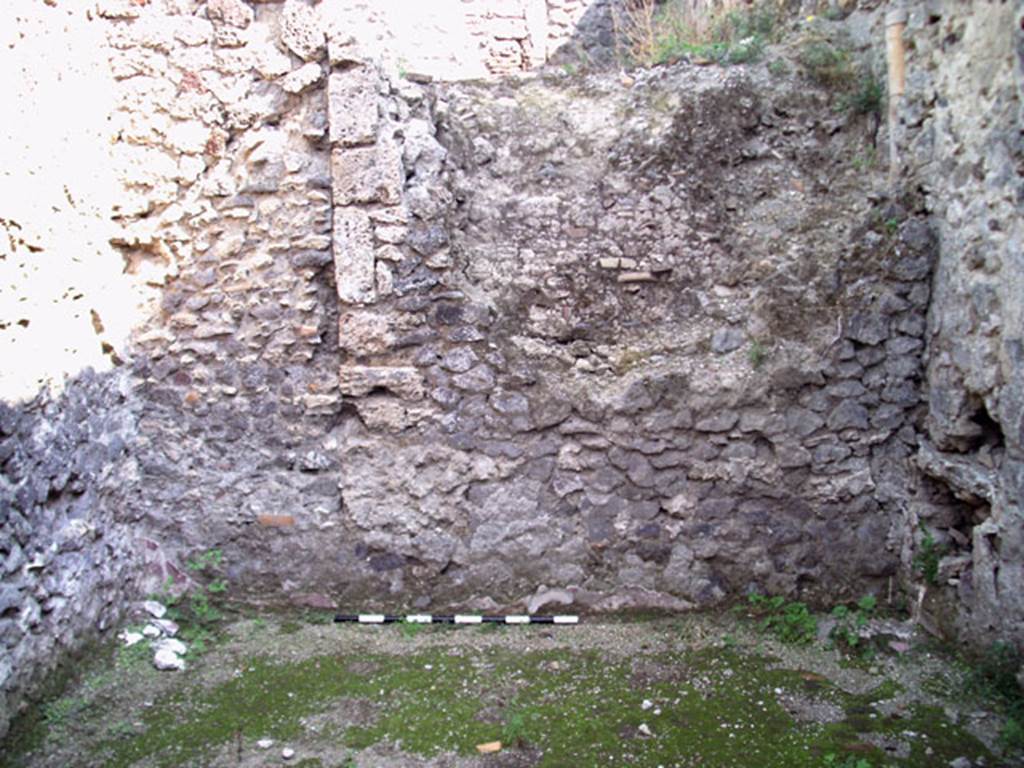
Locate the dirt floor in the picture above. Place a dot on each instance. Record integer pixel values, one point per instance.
(694, 690)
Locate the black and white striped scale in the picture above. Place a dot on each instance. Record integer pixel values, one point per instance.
(425, 618)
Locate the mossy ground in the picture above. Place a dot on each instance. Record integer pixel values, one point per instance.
(661, 692)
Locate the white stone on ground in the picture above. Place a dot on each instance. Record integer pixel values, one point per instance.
(172, 645)
(130, 638)
(166, 626)
(168, 660)
(287, 753)
(265, 743)
(154, 609)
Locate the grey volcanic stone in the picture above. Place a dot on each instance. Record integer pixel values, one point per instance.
(848, 414)
(726, 340)
(868, 328)
(478, 379)
(720, 421)
(460, 359)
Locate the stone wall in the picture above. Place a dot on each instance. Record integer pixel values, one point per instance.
(610, 341)
(70, 560)
(439, 345)
(962, 133)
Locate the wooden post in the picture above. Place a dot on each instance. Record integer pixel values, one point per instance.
(895, 23)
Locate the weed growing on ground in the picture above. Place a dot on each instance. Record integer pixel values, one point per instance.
(199, 615)
(791, 622)
(58, 712)
(515, 726)
(994, 677)
(410, 629)
(832, 760)
(850, 621)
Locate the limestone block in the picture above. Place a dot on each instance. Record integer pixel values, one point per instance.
(360, 380)
(353, 256)
(367, 174)
(352, 106)
(233, 12)
(301, 30)
(385, 280)
(302, 78)
(343, 50)
(364, 332)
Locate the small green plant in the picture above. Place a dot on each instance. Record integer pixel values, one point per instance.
(826, 64)
(850, 621)
(200, 603)
(133, 657)
(121, 730)
(757, 354)
(790, 622)
(833, 760)
(994, 677)
(778, 68)
(1011, 736)
(867, 96)
(515, 728)
(650, 32)
(57, 713)
(929, 552)
(410, 629)
(866, 159)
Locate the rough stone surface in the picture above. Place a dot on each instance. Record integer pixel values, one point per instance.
(647, 341)
(71, 554)
(352, 103)
(961, 141)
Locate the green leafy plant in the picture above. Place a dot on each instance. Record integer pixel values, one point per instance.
(652, 33)
(826, 64)
(866, 159)
(198, 614)
(850, 621)
(515, 728)
(867, 96)
(200, 601)
(778, 68)
(994, 677)
(790, 622)
(832, 760)
(57, 713)
(410, 629)
(757, 354)
(926, 559)
(1011, 736)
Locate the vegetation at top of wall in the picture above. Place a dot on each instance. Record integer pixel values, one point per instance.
(826, 60)
(650, 34)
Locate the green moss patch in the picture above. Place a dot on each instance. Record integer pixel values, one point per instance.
(720, 706)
